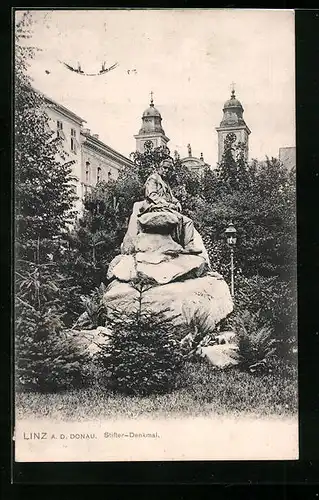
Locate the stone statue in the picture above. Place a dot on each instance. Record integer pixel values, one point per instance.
(159, 197)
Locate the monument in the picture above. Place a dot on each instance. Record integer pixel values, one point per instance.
(162, 247)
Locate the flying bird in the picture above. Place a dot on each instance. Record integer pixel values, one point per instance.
(47, 72)
(106, 70)
(79, 70)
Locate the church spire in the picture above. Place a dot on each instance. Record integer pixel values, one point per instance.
(151, 129)
(232, 123)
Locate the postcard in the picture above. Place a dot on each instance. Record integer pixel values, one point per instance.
(155, 245)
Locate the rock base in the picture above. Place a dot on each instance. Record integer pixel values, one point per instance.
(200, 302)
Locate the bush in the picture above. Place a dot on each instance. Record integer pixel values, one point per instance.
(256, 345)
(144, 355)
(45, 359)
(275, 303)
(95, 311)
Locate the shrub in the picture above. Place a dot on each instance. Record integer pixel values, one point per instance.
(256, 345)
(275, 303)
(144, 354)
(95, 311)
(45, 359)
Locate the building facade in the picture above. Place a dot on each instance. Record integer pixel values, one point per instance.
(233, 125)
(99, 161)
(67, 126)
(93, 160)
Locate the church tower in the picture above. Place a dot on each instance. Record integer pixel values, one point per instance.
(151, 129)
(233, 124)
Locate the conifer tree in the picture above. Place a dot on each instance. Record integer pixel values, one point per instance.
(44, 198)
(227, 169)
(144, 354)
(44, 185)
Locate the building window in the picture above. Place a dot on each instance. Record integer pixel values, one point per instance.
(98, 174)
(59, 131)
(87, 172)
(73, 140)
(109, 175)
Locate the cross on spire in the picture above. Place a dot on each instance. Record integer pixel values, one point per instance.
(233, 89)
(152, 102)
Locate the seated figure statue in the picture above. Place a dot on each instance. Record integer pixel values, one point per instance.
(159, 196)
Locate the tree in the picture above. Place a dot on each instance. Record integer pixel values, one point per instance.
(44, 189)
(185, 184)
(44, 198)
(227, 169)
(260, 200)
(144, 354)
(151, 158)
(233, 170)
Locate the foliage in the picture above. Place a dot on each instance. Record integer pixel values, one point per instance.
(149, 160)
(49, 364)
(44, 198)
(95, 313)
(44, 185)
(45, 361)
(275, 301)
(144, 355)
(233, 171)
(256, 345)
(263, 213)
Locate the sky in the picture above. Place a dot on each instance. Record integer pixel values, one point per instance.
(189, 58)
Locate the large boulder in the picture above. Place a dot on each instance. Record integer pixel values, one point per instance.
(176, 268)
(158, 258)
(128, 244)
(123, 268)
(156, 242)
(202, 302)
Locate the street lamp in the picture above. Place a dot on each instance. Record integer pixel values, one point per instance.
(231, 240)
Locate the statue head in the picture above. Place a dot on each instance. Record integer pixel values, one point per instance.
(164, 167)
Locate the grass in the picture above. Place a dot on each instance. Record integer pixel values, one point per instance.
(209, 391)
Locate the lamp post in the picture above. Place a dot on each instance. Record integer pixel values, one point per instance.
(231, 240)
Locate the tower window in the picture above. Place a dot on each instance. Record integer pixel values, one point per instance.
(98, 174)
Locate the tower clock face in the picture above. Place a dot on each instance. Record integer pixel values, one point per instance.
(231, 137)
(148, 144)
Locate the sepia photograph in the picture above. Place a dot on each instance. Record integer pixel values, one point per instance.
(155, 292)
